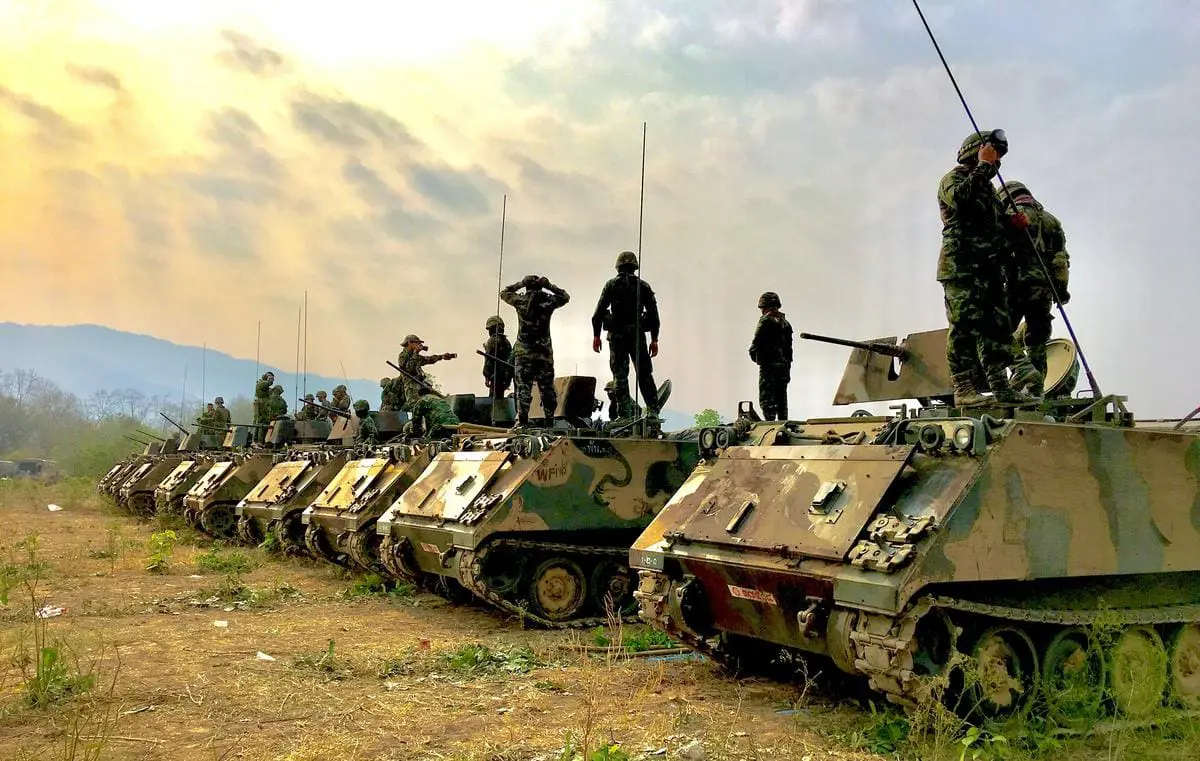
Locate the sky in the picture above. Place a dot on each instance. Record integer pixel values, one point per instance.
(187, 170)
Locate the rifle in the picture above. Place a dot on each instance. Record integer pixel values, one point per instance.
(177, 425)
(495, 359)
(330, 410)
(416, 380)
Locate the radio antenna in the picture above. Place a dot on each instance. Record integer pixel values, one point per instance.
(637, 299)
(499, 279)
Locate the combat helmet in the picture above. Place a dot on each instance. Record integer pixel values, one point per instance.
(384, 381)
(494, 322)
(309, 397)
(627, 259)
(975, 140)
(769, 300)
(340, 387)
(219, 400)
(362, 405)
(276, 389)
(1016, 189)
(412, 338)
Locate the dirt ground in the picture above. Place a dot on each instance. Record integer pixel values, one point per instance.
(298, 660)
(179, 673)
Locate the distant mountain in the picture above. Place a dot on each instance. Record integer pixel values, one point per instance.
(84, 359)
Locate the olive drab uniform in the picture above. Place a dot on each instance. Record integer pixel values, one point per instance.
(367, 431)
(222, 413)
(1031, 297)
(533, 353)
(341, 399)
(971, 271)
(413, 363)
(391, 396)
(262, 405)
(323, 400)
(277, 404)
(207, 422)
(497, 366)
(771, 350)
(628, 310)
(306, 411)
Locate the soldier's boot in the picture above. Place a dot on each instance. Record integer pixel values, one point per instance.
(965, 394)
(1004, 393)
(1026, 377)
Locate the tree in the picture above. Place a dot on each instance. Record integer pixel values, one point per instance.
(708, 417)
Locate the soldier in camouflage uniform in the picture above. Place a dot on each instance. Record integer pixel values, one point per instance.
(262, 404)
(367, 431)
(391, 394)
(971, 271)
(628, 309)
(307, 411)
(411, 362)
(497, 366)
(771, 350)
(277, 405)
(533, 354)
(222, 412)
(341, 398)
(436, 417)
(323, 400)
(206, 423)
(1031, 297)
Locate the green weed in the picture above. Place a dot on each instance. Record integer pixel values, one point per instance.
(374, 585)
(231, 561)
(161, 545)
(481, 660)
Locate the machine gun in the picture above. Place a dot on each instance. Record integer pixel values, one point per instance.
(416, 380)
(177, 425)
(330, 410)
(900, 352)
(149, 435)
(491, 357)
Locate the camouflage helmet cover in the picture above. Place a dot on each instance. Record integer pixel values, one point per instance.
(769, 300)
(362, 405)
(412, 338)
(974, 141)
(340, 387)
(321, 394)
(494, 322)
(277, 389)
(309, 397)
(384, 381)
(627, 259)
(219, 400)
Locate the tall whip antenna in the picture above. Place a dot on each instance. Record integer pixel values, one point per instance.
(183, 393)
(499, 280)
(296, 374)
(1008, 196)
(305, 387)
(203, 372)
(257, 351)
(637, 299)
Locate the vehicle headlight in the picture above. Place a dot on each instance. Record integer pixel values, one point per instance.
(963, 436)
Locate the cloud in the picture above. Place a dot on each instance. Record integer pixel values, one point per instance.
(245, 54)
(96, 75)
(54, 129)
(348, 124)
(451, 188)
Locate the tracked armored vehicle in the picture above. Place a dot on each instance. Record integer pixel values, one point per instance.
(536, 523)
(275, 505)
(200, 452)
(140, 469)
(141, 495)
(1056, 548)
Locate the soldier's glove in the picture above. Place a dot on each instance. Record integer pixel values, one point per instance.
(596, 344)
(1019, 220)
(531, 281)
(543, 282)
(653, 349)
(448, 355)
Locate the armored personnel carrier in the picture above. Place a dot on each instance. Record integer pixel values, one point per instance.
(536, 523)
(200, 452)
(1055, 548)
(275, 505)
(141, 495)
(146, 470)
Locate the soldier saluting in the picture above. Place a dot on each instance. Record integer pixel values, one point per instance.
(533, 354)
(628, 309)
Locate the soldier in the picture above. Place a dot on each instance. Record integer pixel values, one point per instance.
(262, 403)
(206, 423)
(341, 399)
(1031, 297)
(223, 416)
(367, 430)
(974, 242)
(533, 354)
(628, 309)
(497, 366)
(411, 362)
(277, 406)
(323, 400)
(307, 411)
(434, 412)
(771, 350)
(390, 397)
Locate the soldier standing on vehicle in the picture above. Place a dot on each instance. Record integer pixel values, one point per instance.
(307, 411)
(367, 431)
(223, 416)
(206, 423)
(277, 404)
(411, 362)
(533, 354)
(341, 398)
(771, 350)
(390, 397)
(971, 271)
(262, 404)
(497, 367)
(1030, 295)
(628, 309)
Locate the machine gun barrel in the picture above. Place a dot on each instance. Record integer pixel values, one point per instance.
(495, 358)
(876, 346)
(137, 441)
(415, 379)
(140, 432)
(172, 422)
(330, 410)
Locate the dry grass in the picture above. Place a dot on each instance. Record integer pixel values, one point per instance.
(188, 689)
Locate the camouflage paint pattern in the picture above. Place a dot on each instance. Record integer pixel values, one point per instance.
(230, 478)
(137, 493)
(168, 496)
